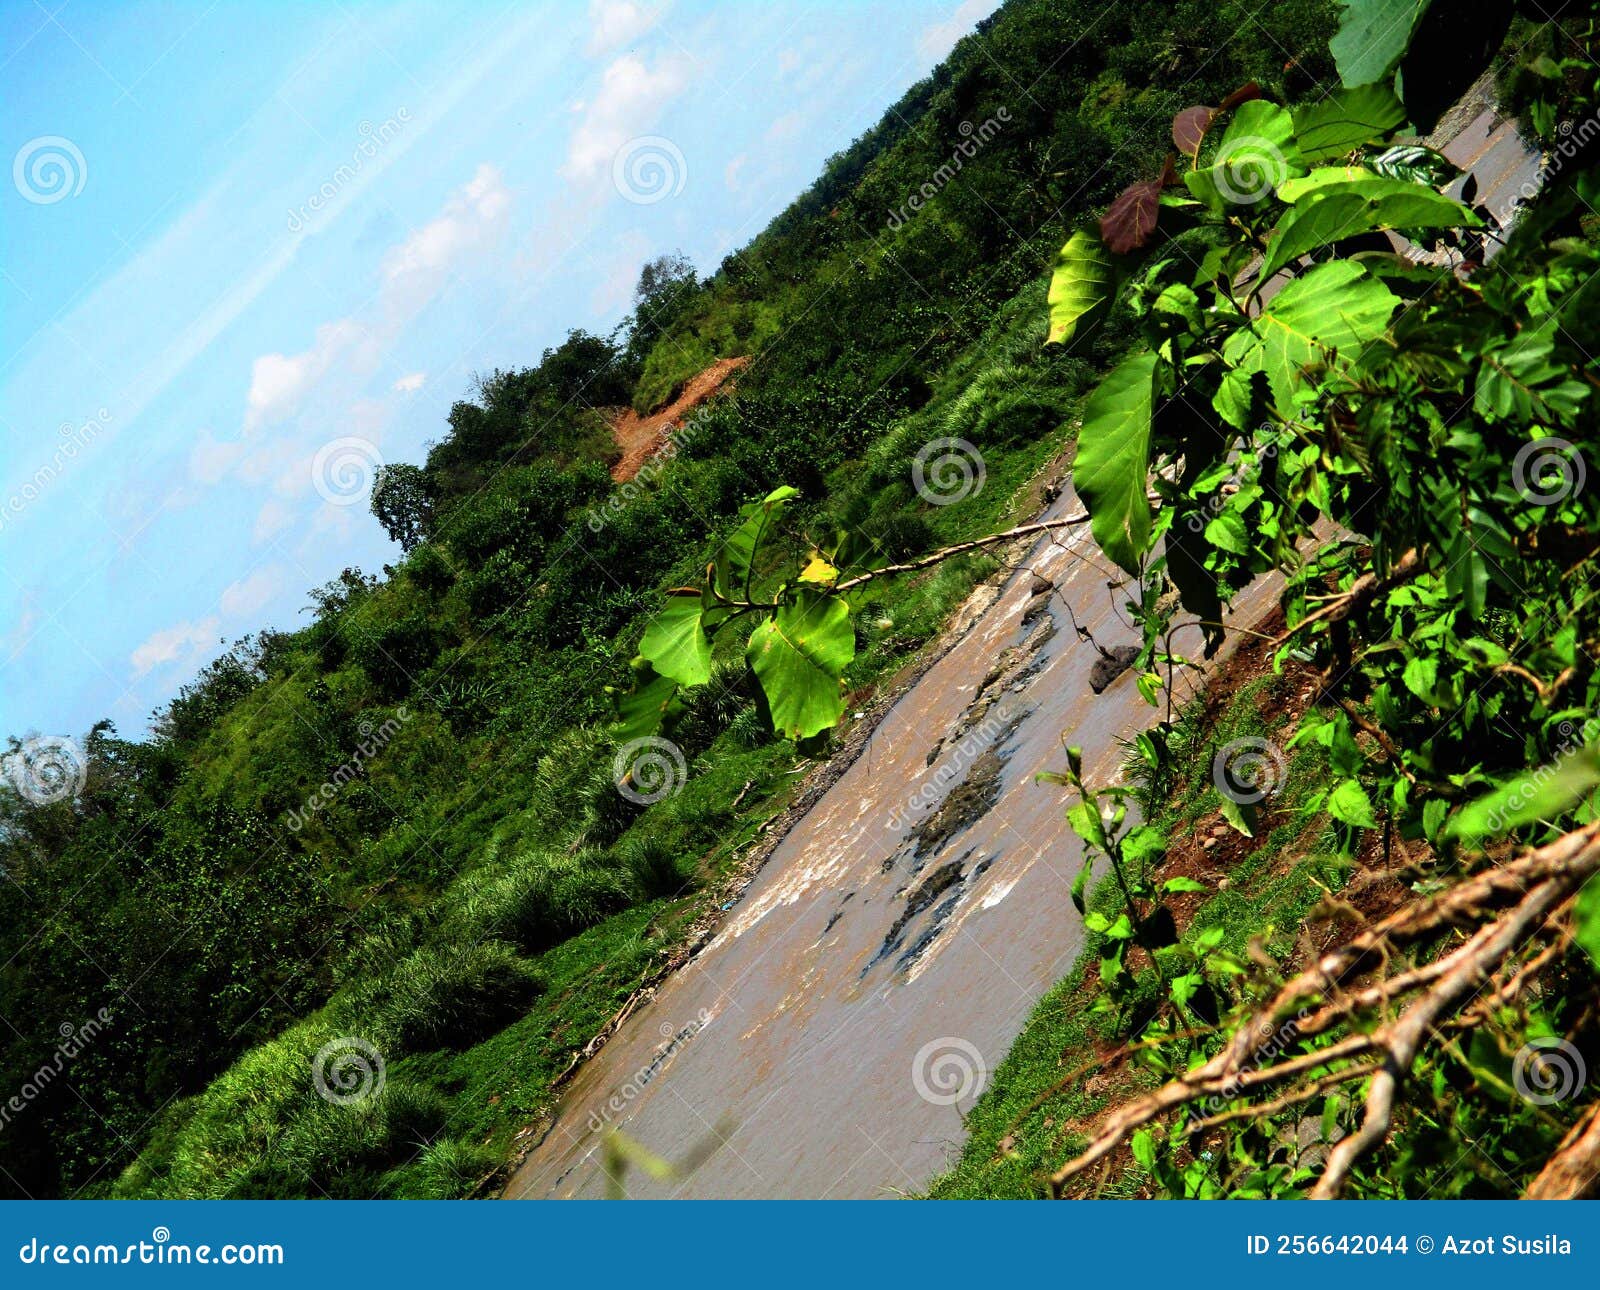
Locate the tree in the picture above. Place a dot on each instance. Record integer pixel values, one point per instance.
(402, 504)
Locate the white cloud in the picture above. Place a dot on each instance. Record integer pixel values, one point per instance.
(279, 383)
(730, 176)
(939, 39)
(472, 217)
(410, 383)
(785, 127)
(630, 100)
(249, 596)
(181, 643)
(620, 22)
(273, 517)
(211, 459)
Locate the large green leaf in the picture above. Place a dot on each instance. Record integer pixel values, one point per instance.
(1345, 120)
(643, 709)
(1586, 921)
(1257, 153)
(676, 643)
(1372, 37)
(1082, 286)
(1545, 793)
(798, 655)
(1341, 211)
(736, 558)
(1335, 307)
(1112, 465)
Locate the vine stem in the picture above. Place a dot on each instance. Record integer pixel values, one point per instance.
(960, 548)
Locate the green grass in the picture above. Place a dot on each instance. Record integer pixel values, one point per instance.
(1044, 1095)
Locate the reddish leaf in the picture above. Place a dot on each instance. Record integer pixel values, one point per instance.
(1131, 219)
(1189, 128)
(1241, 95)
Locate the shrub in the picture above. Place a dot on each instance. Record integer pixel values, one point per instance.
(444, 996)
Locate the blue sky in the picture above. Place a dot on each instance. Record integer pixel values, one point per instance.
(249, 249)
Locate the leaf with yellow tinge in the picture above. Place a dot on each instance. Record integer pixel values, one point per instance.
(1335, 309)
(798, 656)
(819, 571)
(1082, 286)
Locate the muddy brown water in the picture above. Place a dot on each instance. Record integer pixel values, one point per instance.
(859, 995)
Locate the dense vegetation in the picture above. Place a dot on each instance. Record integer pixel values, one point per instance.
(402, 823)
(1405, 444)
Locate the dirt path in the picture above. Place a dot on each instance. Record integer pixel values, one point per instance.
(640, 438)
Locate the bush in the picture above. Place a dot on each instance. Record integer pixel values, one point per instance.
(443, 996)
